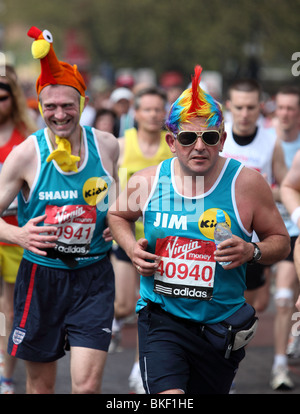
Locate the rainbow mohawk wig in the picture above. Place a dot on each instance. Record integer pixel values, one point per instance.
(194, 102)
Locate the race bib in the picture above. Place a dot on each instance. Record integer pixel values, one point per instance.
(75, 227)
(186, 269)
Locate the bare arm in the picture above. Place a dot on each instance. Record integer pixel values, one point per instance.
(290, 188)
(268, 224)
(109, 150)
(297, 265)
(259, 213)
(15, 171)
(279, 169)
(278, 163)
(290, 194)
(122, 216)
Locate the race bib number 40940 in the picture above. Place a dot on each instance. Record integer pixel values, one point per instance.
(186, 269)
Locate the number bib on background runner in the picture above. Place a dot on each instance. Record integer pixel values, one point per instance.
(75, 227)
(186, 269)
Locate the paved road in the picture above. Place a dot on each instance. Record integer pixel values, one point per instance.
(252, 378)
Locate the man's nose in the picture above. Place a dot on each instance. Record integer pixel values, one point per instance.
(244, 112)
(199, 144)
(59, 113)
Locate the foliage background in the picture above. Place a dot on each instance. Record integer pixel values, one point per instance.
(234, 37)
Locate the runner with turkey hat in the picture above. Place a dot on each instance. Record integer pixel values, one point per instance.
(63, 176)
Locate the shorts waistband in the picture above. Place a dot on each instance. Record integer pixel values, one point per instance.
(103, 261)
(156, 308)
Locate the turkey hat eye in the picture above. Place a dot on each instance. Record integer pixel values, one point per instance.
(48, 36)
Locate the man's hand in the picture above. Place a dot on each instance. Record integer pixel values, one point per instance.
(35, 238)
(107, 236)
(234, 250)
(146, 263)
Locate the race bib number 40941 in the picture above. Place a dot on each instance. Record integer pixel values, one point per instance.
(186, 269)
(75, 227)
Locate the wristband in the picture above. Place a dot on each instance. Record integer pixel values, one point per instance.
(295, 215)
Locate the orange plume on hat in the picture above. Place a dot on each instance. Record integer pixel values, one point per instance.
(53, 72)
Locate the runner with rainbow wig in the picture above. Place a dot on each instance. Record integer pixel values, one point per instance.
(185, 294)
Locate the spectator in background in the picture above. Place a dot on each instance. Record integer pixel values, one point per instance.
(121, 99)
(256, 147)
(15, 124)
(106, 120)
(173, 84)
(286, 283)
(125, 80)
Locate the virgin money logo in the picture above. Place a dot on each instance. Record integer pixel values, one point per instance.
(181, 247)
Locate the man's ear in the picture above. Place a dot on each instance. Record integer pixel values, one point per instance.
(222, 140)
(171, 141)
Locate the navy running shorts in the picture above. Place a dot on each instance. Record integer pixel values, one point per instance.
(255, 276)
(55, 307)
(120, 253)
(174, 355)
(290, 257)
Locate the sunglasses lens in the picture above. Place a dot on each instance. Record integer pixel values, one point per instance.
(187, 138)
(210, 137)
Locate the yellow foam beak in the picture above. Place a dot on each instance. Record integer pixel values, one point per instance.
(40, 49)
(62, 155)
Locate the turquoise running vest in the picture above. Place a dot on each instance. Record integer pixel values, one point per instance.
(189, 283)
(75, 202)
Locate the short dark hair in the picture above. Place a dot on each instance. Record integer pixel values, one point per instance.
(245, 85)
(290, 90)
(151, 90)
(105, 111)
